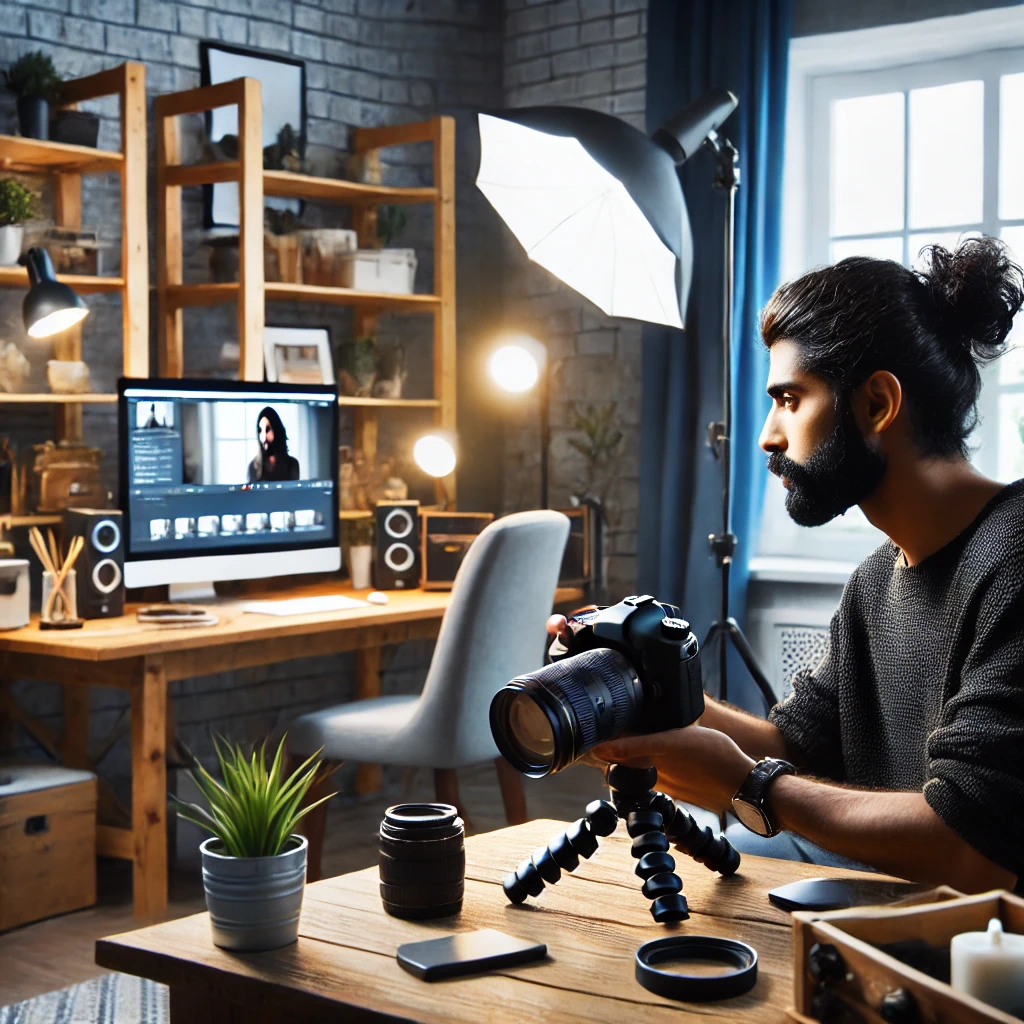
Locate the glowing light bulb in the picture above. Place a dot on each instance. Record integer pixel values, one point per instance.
(514, 368)
(434, 455)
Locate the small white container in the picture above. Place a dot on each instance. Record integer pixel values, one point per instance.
(14, 593)
(11, 236)
(360, 559)
(67, 376)
(379, 270)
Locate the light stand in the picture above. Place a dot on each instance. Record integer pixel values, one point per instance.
(723, 545)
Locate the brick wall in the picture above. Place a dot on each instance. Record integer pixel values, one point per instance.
(589, 53)
(369, 62)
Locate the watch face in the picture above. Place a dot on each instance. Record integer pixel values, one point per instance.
(750, 816)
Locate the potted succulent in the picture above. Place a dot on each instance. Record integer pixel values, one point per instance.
(390, 372)
(360, 551)
(17, 204)
(254, 865)
(33, 79)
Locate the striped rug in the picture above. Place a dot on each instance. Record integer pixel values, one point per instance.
(111, 999)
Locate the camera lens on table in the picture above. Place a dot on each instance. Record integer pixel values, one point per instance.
(422, 860)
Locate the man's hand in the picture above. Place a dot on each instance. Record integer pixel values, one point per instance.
(697, 765)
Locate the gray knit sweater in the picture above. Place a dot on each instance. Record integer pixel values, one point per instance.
(922, 685)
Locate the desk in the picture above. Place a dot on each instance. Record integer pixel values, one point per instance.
(144, 659)
(343, 967)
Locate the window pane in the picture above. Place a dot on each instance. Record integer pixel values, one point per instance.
(867, 164)
(880, 248)
(947, 239)
(229, 419)
(1011, 437)
(1011, 366)
(946, 154)
(1011, 146)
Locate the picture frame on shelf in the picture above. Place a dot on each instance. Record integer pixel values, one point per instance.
(283, 93)
(298, 355)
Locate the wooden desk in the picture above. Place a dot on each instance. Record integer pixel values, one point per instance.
(343, 967)
(144, 659)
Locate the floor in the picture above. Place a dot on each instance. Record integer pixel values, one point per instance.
(58, 952)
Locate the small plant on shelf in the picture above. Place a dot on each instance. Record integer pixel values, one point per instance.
(17, 205)
(359, 369)
(391, 221)
(281, 222)
(359, 532)
(34, 80)
(286, 153)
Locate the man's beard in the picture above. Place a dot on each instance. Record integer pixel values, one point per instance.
(841, 472)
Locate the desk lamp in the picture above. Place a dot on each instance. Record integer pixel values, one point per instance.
(50, 307)
(435, 455)
(600, 204)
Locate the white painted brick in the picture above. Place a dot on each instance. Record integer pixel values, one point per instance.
(229, 28)
(308, 45)
(120, 12)
(157, 14)
(139, 43)
(632, 76)
(309, 18)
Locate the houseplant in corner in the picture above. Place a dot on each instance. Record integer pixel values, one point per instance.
(254, 865)
(17, 205)
(33, 79)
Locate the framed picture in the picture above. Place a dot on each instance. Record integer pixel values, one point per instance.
(298, 355)
(283, 91)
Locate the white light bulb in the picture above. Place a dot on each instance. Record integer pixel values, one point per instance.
(60, 320)
(434, 455)
(514, 368)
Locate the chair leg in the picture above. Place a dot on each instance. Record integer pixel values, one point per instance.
(446, 790)
(313, 825)
(512, 795)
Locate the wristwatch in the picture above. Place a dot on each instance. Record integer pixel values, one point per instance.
(749, 802)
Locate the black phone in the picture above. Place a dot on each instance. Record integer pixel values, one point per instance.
(840, 893)
(467, 953)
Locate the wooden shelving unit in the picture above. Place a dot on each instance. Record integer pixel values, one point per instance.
(64, 165)
(252, 292)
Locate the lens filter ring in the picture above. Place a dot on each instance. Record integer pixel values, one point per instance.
(697, 988)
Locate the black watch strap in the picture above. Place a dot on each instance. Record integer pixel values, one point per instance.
(749, 803)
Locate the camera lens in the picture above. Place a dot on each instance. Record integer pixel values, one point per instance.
(542, 722)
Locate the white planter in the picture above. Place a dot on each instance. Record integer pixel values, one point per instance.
(379, 270)
(360, 558)
(10, 244)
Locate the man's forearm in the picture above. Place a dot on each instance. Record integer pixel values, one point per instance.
(755, 736)
(895, 832)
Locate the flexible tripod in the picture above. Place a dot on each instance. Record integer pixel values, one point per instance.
(653, 821)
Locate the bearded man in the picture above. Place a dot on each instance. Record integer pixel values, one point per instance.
(903, 749)
(272, 462)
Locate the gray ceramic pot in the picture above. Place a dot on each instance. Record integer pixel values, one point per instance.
(254, 902)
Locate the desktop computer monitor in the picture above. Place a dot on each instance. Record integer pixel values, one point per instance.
(226, 480)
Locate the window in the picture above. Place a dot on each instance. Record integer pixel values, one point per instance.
(896, 158)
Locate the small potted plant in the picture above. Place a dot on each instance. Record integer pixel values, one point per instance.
(281, 256)
(359, 366)
(390, 377)
(17, 204)
(254, 865)
(360, 551)
(33, 79)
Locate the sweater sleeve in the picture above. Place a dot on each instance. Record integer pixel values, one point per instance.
(976, 752)
(809, 717)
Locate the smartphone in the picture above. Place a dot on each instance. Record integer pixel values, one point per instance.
(467, 953)
(841, 893)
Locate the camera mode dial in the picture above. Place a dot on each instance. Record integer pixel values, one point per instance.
(675, 629)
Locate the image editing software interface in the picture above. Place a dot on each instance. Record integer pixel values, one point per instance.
(218, 471)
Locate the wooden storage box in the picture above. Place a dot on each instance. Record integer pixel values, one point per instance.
(445, 537)
(871, 973)
(47, 842)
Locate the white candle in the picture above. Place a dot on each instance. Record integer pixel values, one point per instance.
(990, 966)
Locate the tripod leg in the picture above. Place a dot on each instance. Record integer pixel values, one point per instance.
(750, 660)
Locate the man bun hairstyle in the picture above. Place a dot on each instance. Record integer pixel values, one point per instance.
(931, 328)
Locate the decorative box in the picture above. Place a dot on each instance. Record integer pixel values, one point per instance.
(47, 842)
(891, 963)
(379, 270)
(445, 538)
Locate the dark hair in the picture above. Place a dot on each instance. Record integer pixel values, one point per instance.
(280, 445)
(930, 328)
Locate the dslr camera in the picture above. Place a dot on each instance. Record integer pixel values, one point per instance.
(632, 665)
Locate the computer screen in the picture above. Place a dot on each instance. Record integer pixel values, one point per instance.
(226, 468)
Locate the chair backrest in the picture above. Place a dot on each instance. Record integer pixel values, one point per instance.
(493, 629)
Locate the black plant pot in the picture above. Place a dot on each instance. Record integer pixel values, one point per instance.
(76, 127)
(34, 117)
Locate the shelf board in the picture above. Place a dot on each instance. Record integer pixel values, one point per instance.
(208, 294)
(391, 403)
(9, 522)
(354, 513)
(49, 399)
(336, 190)
(40, 156)
(202, 174)
(17, 277)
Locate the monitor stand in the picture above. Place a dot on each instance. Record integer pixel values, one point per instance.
(191, 593)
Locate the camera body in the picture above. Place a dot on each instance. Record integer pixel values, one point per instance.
(633, 665)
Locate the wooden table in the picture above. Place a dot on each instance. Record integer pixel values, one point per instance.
(145, 659)
(343, 967)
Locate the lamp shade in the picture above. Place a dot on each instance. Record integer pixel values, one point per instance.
(435, 455)
(49, 307)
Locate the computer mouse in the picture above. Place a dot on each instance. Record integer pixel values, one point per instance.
(377, 597)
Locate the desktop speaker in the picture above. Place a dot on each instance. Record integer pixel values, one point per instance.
(100, 566)
(446, 537)
(396, 562)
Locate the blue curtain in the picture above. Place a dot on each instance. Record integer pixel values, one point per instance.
(695, 45)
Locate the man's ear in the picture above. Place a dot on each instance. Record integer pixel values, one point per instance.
(877, 402)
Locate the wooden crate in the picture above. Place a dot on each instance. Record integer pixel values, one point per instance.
(47, 842)
(871, 973)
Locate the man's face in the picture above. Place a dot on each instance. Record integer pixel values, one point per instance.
(266, 434)
(823, 459)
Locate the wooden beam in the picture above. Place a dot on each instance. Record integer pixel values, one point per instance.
(171, 358)
(394, 135)
(112, 841)
(134, 227)
(149, 791)
(198, 101)
(202, 174)
(445, 381)
(75, 742)
(67, 213)
(251, 302)
(91, 87)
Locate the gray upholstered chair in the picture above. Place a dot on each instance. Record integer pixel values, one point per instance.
(492, 631)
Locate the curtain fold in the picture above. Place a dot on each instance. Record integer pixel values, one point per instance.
(693, 46)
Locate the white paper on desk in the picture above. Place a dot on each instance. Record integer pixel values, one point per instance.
(304, 605)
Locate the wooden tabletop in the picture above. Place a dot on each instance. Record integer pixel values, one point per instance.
(126, 637)
(343, 967)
